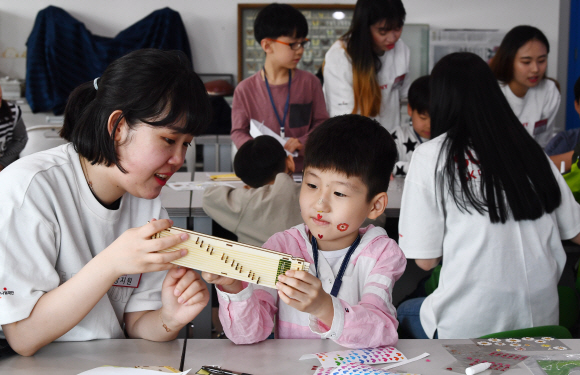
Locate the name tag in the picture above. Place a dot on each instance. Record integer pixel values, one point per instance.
(129, 281)
(540, 126)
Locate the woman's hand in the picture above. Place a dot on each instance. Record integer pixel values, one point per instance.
(136, 252)
(304, 292)
(228, 285)
(184, 295)
(293, 144)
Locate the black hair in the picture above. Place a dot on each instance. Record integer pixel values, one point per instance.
(360, 48)
(356, 146)
(277, 20)
(418, 95)
(516, 177)
(577, 90)
(502, 64)
(259, 160)
(150, 86)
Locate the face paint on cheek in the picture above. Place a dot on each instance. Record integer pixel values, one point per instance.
(320, 236)
(342, 227)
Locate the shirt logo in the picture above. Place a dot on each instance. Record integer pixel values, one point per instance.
(383, 87)
(6, 292)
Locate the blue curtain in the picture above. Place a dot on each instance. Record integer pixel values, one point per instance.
(62, 53)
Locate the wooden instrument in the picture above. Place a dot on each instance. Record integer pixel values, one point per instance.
(232, 259)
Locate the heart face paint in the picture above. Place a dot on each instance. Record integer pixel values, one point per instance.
(319, 216)
(320, 236)
(342, 227)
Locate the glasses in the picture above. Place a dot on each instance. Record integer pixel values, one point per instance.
(294, 46)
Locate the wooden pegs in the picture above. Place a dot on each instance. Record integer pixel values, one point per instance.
(237, 265)
(211, 252)
(223, 256)
(250, 274)
(258, 281)
(227, 257)
(201, 245)
(196, 242)
(241, 269)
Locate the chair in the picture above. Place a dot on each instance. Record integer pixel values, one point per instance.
(42, 137)
(557, 332)
(190, 158)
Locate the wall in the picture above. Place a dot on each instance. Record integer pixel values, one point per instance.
(212, 25)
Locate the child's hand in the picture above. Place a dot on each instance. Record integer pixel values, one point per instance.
(136, 252)
(304, 292)
(293, 144)
(184, 295)
(229, 285)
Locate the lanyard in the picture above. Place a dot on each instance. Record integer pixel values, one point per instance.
(418, 137)
(338, 279)
(283, 121)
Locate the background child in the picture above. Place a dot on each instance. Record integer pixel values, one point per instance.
(346, 294)
(74, 218)
(407, 137)
(267, 204)
(561, 147)
(13, 135)
(366, 71)
(287, 100)
(520, 65)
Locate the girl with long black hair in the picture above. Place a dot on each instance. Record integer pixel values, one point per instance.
(484, 196)
(366, 70)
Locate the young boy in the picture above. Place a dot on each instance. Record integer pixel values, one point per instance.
(418, 130)
(346, 293)
(287, 100)
(269, 201)
(561, 147)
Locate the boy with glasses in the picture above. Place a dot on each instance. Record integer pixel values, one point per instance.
(287, 100)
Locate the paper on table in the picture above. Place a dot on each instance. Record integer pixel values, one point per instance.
(257, 129)
(109, 370)
(195, 185)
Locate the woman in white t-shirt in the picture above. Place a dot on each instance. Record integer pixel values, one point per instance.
(77, 261)
(366, 71)
(482, 195)
(520, 65)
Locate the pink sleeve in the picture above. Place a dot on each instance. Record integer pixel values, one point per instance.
(372, 322)
(240, 132)
(247, 317)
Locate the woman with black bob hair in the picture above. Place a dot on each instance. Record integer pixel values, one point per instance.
(77, 250)
(491, 204)
(366, 70)
(520, 66)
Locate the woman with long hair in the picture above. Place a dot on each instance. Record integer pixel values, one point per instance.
(483, 196)
(366, 71)
(520, 65)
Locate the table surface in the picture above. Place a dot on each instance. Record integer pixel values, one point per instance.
(177, 203)
(270, 357)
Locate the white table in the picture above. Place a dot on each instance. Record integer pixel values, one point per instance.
(270, 357)
(71, 358)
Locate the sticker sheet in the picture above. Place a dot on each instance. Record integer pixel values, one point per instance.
(468, 355)
(522, 344)
(382, 354)
(354, 369)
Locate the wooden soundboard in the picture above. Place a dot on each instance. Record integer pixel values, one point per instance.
(232, 259)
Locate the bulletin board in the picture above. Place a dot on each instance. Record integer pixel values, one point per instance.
(324, 28)
(326, 23)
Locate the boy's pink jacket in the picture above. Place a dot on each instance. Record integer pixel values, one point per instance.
(364, 315)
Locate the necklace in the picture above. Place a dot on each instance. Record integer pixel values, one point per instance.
(86, 174)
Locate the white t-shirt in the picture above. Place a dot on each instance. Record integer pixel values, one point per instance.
(537, 109)
(495, 277)
(393, 79)
(52, 226)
